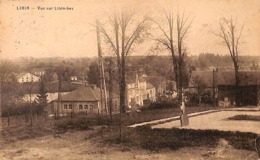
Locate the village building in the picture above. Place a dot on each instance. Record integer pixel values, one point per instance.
(138, 91)
(225, 89)
(32, 90)
(248, 89)
(73, 78)
(27, 77)
(150, 95)
(85, 99)
(158, 82)
(50, 96)
(38, 72)
(254, 66)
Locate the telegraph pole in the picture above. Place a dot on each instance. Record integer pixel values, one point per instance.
(110, 88)
(214, 86)
(102, 78)
(30, 90)
(59, 96)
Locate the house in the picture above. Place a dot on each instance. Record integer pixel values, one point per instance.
(85, 99)
(149, 96)
(138, 91)
(30, 91)
(158, 82)
(50, 96)
(38, 72)
(27, 77)
(248, 89)
(225, 89)
(73, 78)
(254, 66)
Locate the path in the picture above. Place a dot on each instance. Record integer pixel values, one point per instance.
(212, 119)
(219, 121)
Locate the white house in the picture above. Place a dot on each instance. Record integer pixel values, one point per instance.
(38, 72)
(50, 96)
(138, 91)
(73, 78)
(150, 93)
(27, 77)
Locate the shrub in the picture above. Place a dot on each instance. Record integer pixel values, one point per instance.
(22, 109)
(162, 105)
(155, 139)
(82, 123)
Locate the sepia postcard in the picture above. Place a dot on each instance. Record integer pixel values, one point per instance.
(129, 79)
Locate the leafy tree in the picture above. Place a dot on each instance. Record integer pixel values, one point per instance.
(93, 74)
(42, 96)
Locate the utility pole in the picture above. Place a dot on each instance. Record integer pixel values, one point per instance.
(30, 90)
(102, 78)
(59, 96)
(110, 88)
(104, 86)
(214, 86)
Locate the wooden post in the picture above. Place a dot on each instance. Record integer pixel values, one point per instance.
(59, 98)
(102, 78)
(110, 88)
(213, 88)
(30, 90)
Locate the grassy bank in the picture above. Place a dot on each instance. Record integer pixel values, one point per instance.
(245, 118)
(140, 137)
(20, 129)
(157, 139)
(81, 122)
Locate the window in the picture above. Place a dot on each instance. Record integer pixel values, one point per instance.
(86, 107)
(22, 79)
(80, 106)
(70, 106)
(91, 107)
(65, 106)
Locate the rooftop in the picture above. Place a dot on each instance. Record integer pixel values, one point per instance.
(85, 93)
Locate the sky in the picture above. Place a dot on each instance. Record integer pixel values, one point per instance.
(70, 33)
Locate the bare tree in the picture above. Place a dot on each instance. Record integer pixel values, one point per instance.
(177, 50)
(123, 34)
(230, 35)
